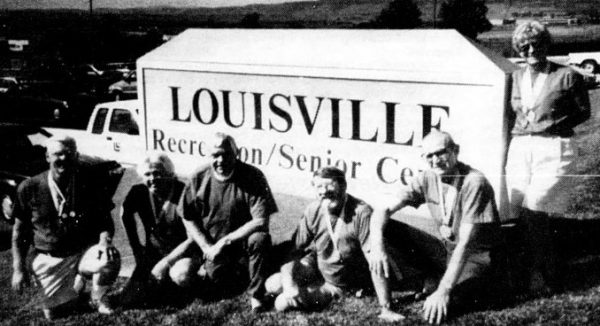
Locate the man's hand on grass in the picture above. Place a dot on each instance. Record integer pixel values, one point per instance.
(435, 309)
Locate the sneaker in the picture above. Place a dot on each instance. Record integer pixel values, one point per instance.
(257, 305)
(102, 305)
(49, 314)
(429, 286)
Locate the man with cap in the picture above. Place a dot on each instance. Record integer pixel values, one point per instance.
(335, 231)
(63, 212)
(226, 208)
(461, 259)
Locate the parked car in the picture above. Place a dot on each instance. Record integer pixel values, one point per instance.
(590, 78)
(125, 89)
(588, 61)
(93, 80)
(8, 85)
(22, 155)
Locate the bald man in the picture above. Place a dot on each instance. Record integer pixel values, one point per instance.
(461, 202)
(226, 208)
(65, 214)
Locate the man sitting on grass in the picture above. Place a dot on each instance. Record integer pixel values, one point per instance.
(463, 256)
(336, 229)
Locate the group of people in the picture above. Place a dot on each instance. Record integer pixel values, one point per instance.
(212, 233)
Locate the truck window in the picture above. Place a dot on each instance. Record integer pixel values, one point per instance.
(121, 121)
(99, 121)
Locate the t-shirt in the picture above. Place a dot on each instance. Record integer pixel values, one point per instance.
(222, 207)
(86, 212)
(163, 228)
(346, 265)
(468, 198)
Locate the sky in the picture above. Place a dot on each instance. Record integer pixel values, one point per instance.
(85, 4)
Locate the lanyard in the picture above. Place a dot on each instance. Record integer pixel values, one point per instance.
(334, 234)
(167, 210)
(58, 198)
(446, 201)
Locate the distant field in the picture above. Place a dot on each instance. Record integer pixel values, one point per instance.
(566, 39)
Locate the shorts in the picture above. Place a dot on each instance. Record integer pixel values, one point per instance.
(57, 277)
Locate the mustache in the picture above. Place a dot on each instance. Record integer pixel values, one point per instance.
(333, 204)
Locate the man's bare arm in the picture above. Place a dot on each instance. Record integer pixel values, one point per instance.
(378, 261)
(20, 246)
(435, 308)
(196, 234)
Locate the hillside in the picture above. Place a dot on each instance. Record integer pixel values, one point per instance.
(308, 14)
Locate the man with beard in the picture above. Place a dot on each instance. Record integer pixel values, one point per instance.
(463, 256)
(226, 208)
(63, 212)
(335, 229)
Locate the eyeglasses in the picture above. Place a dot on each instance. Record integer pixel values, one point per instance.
(439, 153)
(525, 47)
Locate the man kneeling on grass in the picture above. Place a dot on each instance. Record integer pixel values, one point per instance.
(167, 256)
(226, 208)
(462, 260)
(65, 213)
(336, 228)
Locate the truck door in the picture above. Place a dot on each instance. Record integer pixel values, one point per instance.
(98, 144)
(123, 135)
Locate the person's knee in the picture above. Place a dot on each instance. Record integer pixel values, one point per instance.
(273, 284)
(285, 303)
(183, 272)
(259, 242)
(93, 262)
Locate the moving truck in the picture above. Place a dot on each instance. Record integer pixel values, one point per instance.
(297, 100)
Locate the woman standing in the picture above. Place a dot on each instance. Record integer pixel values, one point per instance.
(548, 101)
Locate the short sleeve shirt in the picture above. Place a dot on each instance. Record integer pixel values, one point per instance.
(86, 212)
(346, 266)
(222, 207)
(468, 198)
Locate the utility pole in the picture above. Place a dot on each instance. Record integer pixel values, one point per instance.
(434, 13)
(91, 30)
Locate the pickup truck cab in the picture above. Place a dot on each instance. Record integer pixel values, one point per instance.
(112, 133)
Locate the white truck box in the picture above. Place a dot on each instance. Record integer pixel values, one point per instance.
(296, 100)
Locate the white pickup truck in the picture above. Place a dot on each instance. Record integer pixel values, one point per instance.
(112, 133)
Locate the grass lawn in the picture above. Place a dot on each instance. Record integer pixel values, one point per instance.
(577, 304)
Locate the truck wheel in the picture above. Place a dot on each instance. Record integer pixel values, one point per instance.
(590, 66)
